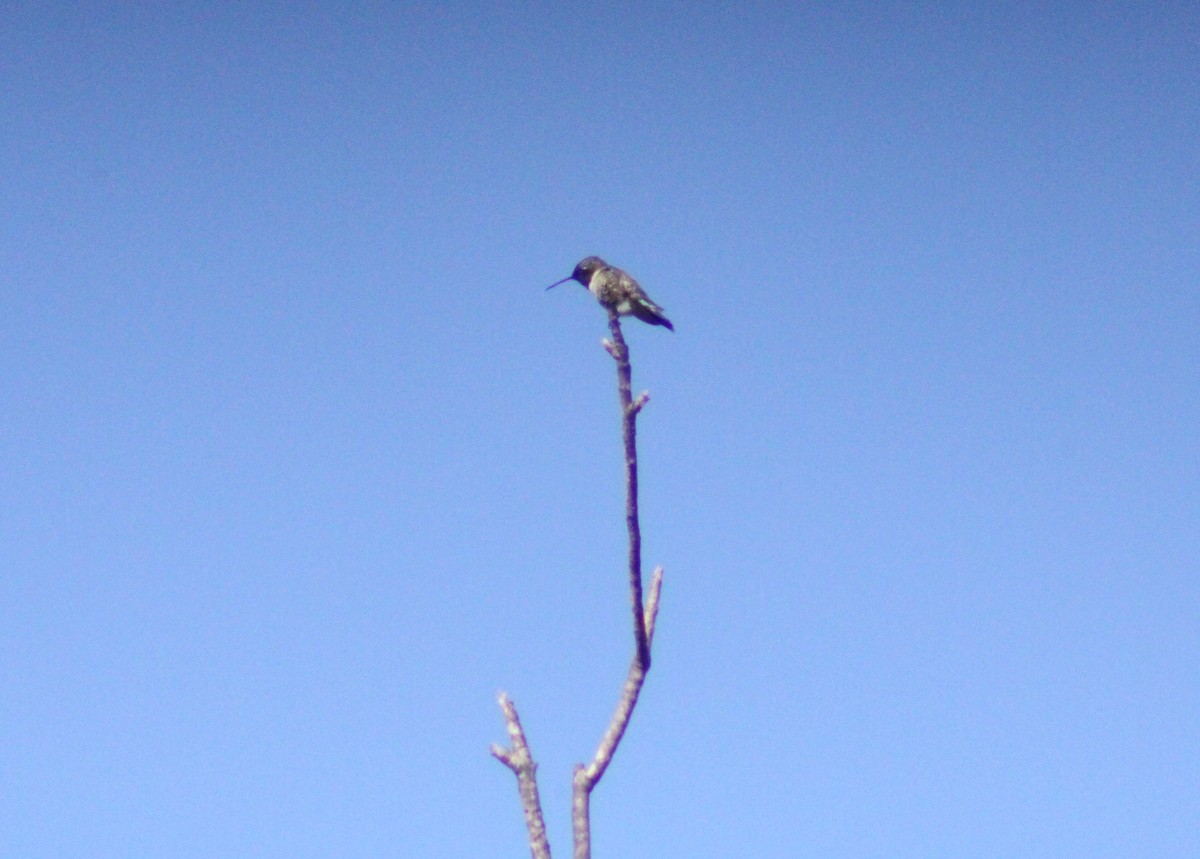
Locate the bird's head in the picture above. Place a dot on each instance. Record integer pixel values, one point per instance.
(583, 271)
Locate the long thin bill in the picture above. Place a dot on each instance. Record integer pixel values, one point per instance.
(556, 283)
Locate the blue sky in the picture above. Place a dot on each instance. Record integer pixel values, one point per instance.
(300, 464)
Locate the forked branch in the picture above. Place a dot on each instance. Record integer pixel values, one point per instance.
(586, 777)
(520, 761)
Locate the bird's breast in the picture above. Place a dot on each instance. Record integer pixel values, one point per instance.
(610, 291)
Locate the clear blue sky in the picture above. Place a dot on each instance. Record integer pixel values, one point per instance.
(300, 464)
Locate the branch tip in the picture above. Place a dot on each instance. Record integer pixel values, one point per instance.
(651, 611)
(504, 756)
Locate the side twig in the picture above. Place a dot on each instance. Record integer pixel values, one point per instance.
(520, 761)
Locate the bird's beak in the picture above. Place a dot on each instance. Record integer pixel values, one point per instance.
(557, 282)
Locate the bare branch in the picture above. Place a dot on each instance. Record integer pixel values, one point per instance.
(644, 615)
(520, 761)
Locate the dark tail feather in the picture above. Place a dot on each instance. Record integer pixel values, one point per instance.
(650, 314)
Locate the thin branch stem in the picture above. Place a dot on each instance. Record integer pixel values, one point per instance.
(629, 411)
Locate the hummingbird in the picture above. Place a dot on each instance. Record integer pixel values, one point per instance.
(617, 291)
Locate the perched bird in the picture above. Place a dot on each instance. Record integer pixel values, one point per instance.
(616, 290)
